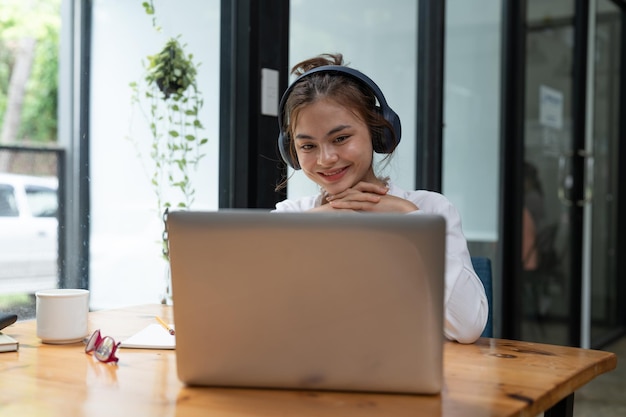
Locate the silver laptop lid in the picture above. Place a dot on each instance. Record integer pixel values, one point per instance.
(308, 301)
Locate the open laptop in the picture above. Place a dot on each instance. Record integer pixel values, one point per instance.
(350, 302)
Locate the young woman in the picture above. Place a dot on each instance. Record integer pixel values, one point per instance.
(332, 119)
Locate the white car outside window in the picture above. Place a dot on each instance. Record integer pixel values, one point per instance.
(28, 233)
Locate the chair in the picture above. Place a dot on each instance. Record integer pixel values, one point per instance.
(482, 266)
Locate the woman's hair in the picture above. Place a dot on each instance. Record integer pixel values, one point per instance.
(343, 89)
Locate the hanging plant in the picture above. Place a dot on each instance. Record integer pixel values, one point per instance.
(168, 97)
(171, 70)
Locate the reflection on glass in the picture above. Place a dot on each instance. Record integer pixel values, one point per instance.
(548, 147)
(548, 181)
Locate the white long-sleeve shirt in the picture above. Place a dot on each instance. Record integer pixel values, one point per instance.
(465, 302)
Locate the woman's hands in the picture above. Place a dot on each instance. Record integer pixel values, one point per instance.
(367, 197)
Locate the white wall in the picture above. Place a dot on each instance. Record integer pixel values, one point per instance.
(126, 266)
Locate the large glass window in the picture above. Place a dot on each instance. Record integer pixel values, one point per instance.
(472, 115)
(471, 134)
(378, 38)
(29, 45)
(28, 227)
(126, 265)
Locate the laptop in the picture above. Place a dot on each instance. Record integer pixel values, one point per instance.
(344, 302)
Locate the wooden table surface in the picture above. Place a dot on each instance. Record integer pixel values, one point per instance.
(492, 377)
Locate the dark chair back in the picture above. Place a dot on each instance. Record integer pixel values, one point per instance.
(482, 266)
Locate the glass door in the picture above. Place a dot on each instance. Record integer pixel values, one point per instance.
(571, 189)
(548, 149)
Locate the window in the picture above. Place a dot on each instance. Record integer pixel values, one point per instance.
(8, 206)
(378, 38)
(125, 261)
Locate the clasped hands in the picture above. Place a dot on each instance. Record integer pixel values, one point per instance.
(367, 197)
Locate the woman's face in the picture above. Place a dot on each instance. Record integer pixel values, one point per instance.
(333, 145)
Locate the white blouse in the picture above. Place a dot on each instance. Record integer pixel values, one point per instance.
(465, 301)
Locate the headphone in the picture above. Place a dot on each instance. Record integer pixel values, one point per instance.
(389, 141)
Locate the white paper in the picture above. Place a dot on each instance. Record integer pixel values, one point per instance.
(550, 107)
(153, 336)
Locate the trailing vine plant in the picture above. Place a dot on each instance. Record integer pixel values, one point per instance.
(170, 101)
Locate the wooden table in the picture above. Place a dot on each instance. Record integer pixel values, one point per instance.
(490, 378)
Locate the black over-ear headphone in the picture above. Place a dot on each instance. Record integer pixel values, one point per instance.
(388, 141)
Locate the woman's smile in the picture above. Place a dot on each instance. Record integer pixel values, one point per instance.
(333, 145)
(334, 175)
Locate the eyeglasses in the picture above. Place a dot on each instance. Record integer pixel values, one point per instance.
(103, 348)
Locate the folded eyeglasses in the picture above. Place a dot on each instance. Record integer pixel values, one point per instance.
(103, 348)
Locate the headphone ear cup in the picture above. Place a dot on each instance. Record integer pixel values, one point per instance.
(284, 143)
(378, 136)
(393, 140)
(386, 142)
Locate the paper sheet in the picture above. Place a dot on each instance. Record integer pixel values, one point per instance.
(154, 336)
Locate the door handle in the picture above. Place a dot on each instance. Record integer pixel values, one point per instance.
(589, 165)
(566, 181)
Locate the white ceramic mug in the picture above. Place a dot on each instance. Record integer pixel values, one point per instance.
(62, 315)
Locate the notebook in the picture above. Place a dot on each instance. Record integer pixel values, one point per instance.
(153, 336)
(8, 344)
(348, 302)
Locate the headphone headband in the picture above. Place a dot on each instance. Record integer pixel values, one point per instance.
(388, 142)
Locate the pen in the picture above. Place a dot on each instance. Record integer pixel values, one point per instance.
(165, 325)
(7, 320)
